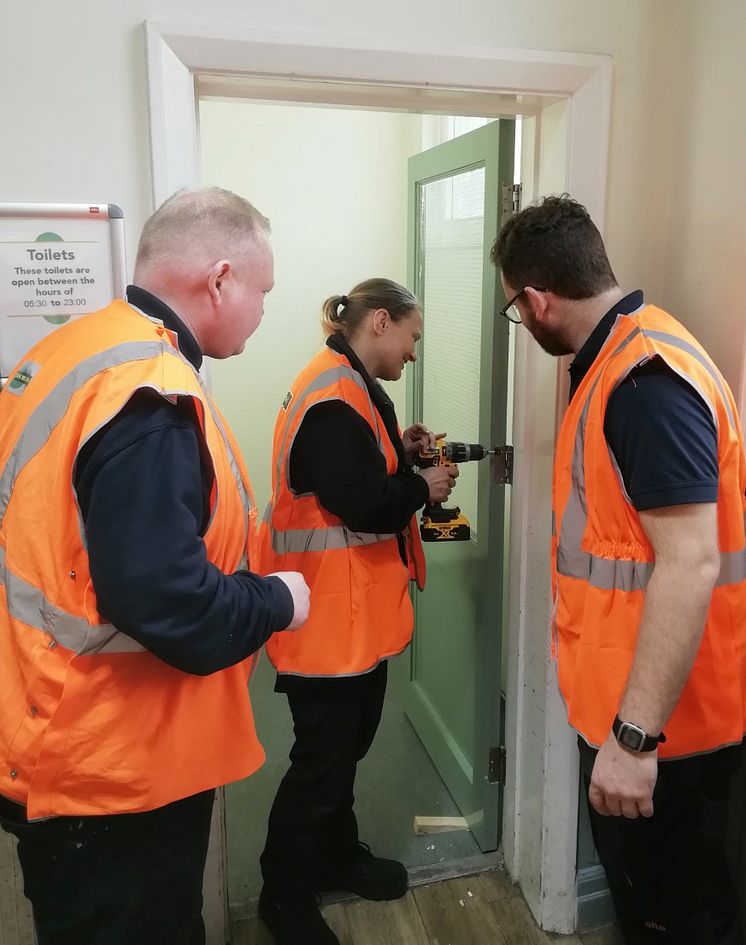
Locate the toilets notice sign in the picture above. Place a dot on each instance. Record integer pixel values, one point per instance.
(57, 262)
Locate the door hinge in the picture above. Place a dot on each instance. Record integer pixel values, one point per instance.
(511, 201)
(496, 766)
(502, 466)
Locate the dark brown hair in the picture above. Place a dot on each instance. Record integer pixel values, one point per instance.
(554, 245)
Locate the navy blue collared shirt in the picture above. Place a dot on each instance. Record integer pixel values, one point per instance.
(659, 429)
(143, 484)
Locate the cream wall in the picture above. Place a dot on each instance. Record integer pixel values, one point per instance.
(74, 95)
(704, 253)
(73, 109)
(334, 184)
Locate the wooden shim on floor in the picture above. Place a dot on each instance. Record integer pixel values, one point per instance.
(439, 824)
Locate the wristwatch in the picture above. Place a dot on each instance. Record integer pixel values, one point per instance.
(633, 738)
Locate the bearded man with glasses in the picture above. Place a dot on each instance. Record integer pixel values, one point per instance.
(649, 576)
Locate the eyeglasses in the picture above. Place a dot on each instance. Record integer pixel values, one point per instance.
(510, 310)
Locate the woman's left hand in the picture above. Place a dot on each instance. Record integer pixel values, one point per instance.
(417, 439)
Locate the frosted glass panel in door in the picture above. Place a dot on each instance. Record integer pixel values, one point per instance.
(451, 261)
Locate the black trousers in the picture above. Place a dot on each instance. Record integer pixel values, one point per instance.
(124, 879)
(312, 828)
(668, 874)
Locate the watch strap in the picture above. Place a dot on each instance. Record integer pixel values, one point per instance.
(633, 737)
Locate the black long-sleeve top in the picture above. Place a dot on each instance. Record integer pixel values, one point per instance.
(336, 456)
(143, 484)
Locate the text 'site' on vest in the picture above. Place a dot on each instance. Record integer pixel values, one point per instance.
(361, 612)
(90, 722)
(603, 560)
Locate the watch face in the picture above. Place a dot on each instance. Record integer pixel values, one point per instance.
(631, 737)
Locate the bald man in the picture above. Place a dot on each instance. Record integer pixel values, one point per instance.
(130, 616)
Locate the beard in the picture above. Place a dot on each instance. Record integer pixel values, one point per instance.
(553, 342)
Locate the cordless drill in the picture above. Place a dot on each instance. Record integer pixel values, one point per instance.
(440, 523)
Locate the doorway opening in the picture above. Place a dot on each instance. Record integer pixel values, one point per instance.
(334, 183)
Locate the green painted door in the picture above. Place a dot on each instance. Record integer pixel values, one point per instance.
(460, 385)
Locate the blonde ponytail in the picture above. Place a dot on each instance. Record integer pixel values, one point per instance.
(332, 319)
(344, 313)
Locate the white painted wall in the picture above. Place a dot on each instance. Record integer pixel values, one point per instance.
(334, 184)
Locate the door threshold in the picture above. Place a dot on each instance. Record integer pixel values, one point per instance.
(450, 869)
(418, 876)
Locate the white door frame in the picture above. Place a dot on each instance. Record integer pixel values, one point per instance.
(541, 794)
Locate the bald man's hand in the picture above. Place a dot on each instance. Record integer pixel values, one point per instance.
(296, 584)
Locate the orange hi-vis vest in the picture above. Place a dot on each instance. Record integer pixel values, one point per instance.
(361, 612)
(603, 560)
(90, 722)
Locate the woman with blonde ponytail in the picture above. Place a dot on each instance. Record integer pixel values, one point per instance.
(344, 498)
(332, 312)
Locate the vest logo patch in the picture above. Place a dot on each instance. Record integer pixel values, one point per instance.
(22, 378)
(286, 401)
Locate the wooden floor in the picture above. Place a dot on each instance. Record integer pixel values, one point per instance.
(485, 908)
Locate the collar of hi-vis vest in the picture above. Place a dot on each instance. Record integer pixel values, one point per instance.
(154, 308)
(625, 574)
(185, 346)
(29, 603)
(380, 398)
(583, 360)
(321, 537)
(340, 369)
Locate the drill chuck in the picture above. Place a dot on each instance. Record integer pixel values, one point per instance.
(464, 452)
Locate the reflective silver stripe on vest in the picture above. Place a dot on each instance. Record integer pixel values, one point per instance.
(300, 540)
(53, 408)
(732, 566)
(322, 380)
(245, 497)
(676, 342)
(572, 561)
(613, 573)
(29, 605)
(164, 393)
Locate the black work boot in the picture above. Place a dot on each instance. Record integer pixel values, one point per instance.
(295, 919)
(368, 876)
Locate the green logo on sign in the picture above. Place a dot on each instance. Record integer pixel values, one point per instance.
(22, 378)
(50, 237)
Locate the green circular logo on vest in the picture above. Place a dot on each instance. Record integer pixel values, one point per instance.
(50, 237)
(21, 378)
